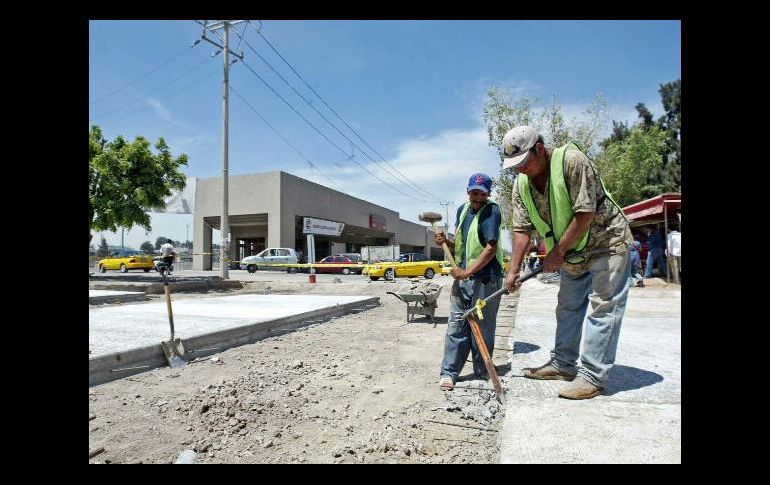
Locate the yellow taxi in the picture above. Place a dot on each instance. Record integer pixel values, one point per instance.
(394, 269)
(446, 268)
(125, 261)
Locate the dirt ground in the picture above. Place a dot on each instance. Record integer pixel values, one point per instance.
(362, 388)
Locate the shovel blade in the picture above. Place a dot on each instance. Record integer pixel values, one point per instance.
(174, 350)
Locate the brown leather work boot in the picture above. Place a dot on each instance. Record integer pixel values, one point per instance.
(581, 388)
(547, 372)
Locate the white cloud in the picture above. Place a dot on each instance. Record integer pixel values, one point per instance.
(160, 110)
(440, 164)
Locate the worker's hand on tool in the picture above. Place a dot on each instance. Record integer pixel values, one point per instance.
(553, 261)
(440, 238)
(460, 274)
(510, 282)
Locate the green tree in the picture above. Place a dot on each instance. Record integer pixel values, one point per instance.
(125, 180)
(147, 247)
(670, 177)
(159, 241)
(503, 110)
(628, 166)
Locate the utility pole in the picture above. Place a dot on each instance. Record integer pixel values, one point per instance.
(186, 234)
(224, 260)
(446, 205)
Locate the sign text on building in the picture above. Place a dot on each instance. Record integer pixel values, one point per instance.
(320, 226)
(377, 222)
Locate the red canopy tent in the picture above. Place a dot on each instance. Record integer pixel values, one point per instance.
(662, 208)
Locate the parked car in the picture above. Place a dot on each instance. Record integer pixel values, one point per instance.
(446, 268)
(125, 261)
(411, 257)
(338, 259)
(269, 257)
(390, 270)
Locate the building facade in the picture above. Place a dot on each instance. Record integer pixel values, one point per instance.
(267, 210)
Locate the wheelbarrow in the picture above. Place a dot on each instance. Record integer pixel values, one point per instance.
(420, 302)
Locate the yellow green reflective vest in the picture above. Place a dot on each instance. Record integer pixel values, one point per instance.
(474, 247)
(560, 205)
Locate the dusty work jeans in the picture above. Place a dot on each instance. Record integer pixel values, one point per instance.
(459, 341)
(605, 285)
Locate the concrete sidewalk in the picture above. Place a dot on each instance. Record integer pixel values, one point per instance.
(636, 420)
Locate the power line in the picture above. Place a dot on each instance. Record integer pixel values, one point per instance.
(408, 181)
(132, 113)
(312, 165)
(351, 157)
(142, 76)
(157, 88)
(314, 108)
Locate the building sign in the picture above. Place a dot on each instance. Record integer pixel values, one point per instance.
(377, 222)
(320, 226)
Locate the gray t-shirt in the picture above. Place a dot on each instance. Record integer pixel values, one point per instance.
(609, 227)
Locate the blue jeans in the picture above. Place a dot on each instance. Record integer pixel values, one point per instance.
(605, 285)
(655, 256)
(459, 341)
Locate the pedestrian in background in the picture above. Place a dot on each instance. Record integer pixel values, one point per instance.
(636, 263)
(674, 252)
(656, 255)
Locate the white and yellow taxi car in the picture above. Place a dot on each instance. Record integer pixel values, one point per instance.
(394, 269)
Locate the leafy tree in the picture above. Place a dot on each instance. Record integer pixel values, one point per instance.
(666, 176)
(503, 111)
(620, 132)
(147, 247)
(159, 241)
(628, 167)
(671, 174)
(125, 180)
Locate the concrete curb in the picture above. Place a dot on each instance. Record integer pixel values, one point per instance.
(176, 286)
(118, 365)
(97, 300)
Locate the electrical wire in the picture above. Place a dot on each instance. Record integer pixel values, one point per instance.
(153, 90)
(312, 165)
(142, 76)
(353, 144)
(408, 181)
(208, 75)
(351, 157)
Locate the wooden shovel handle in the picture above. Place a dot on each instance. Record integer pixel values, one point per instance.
(485, 355)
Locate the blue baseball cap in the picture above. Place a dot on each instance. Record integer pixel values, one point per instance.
(480, 181)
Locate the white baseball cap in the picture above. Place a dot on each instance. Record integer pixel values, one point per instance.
(516, 145)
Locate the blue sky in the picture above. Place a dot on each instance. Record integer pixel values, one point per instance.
(414, 90)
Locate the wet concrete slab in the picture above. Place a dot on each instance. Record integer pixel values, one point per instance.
(120, 328)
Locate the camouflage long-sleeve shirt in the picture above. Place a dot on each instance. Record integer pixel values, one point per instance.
(609, 228)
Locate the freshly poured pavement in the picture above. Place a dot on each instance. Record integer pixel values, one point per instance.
(636, 420)
(121, 328)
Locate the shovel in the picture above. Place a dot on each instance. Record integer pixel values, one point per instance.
(173, 349)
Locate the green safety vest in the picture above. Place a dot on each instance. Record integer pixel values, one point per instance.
(474, 247)
(560, 205)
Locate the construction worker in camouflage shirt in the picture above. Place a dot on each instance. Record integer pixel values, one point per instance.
(559, 194)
